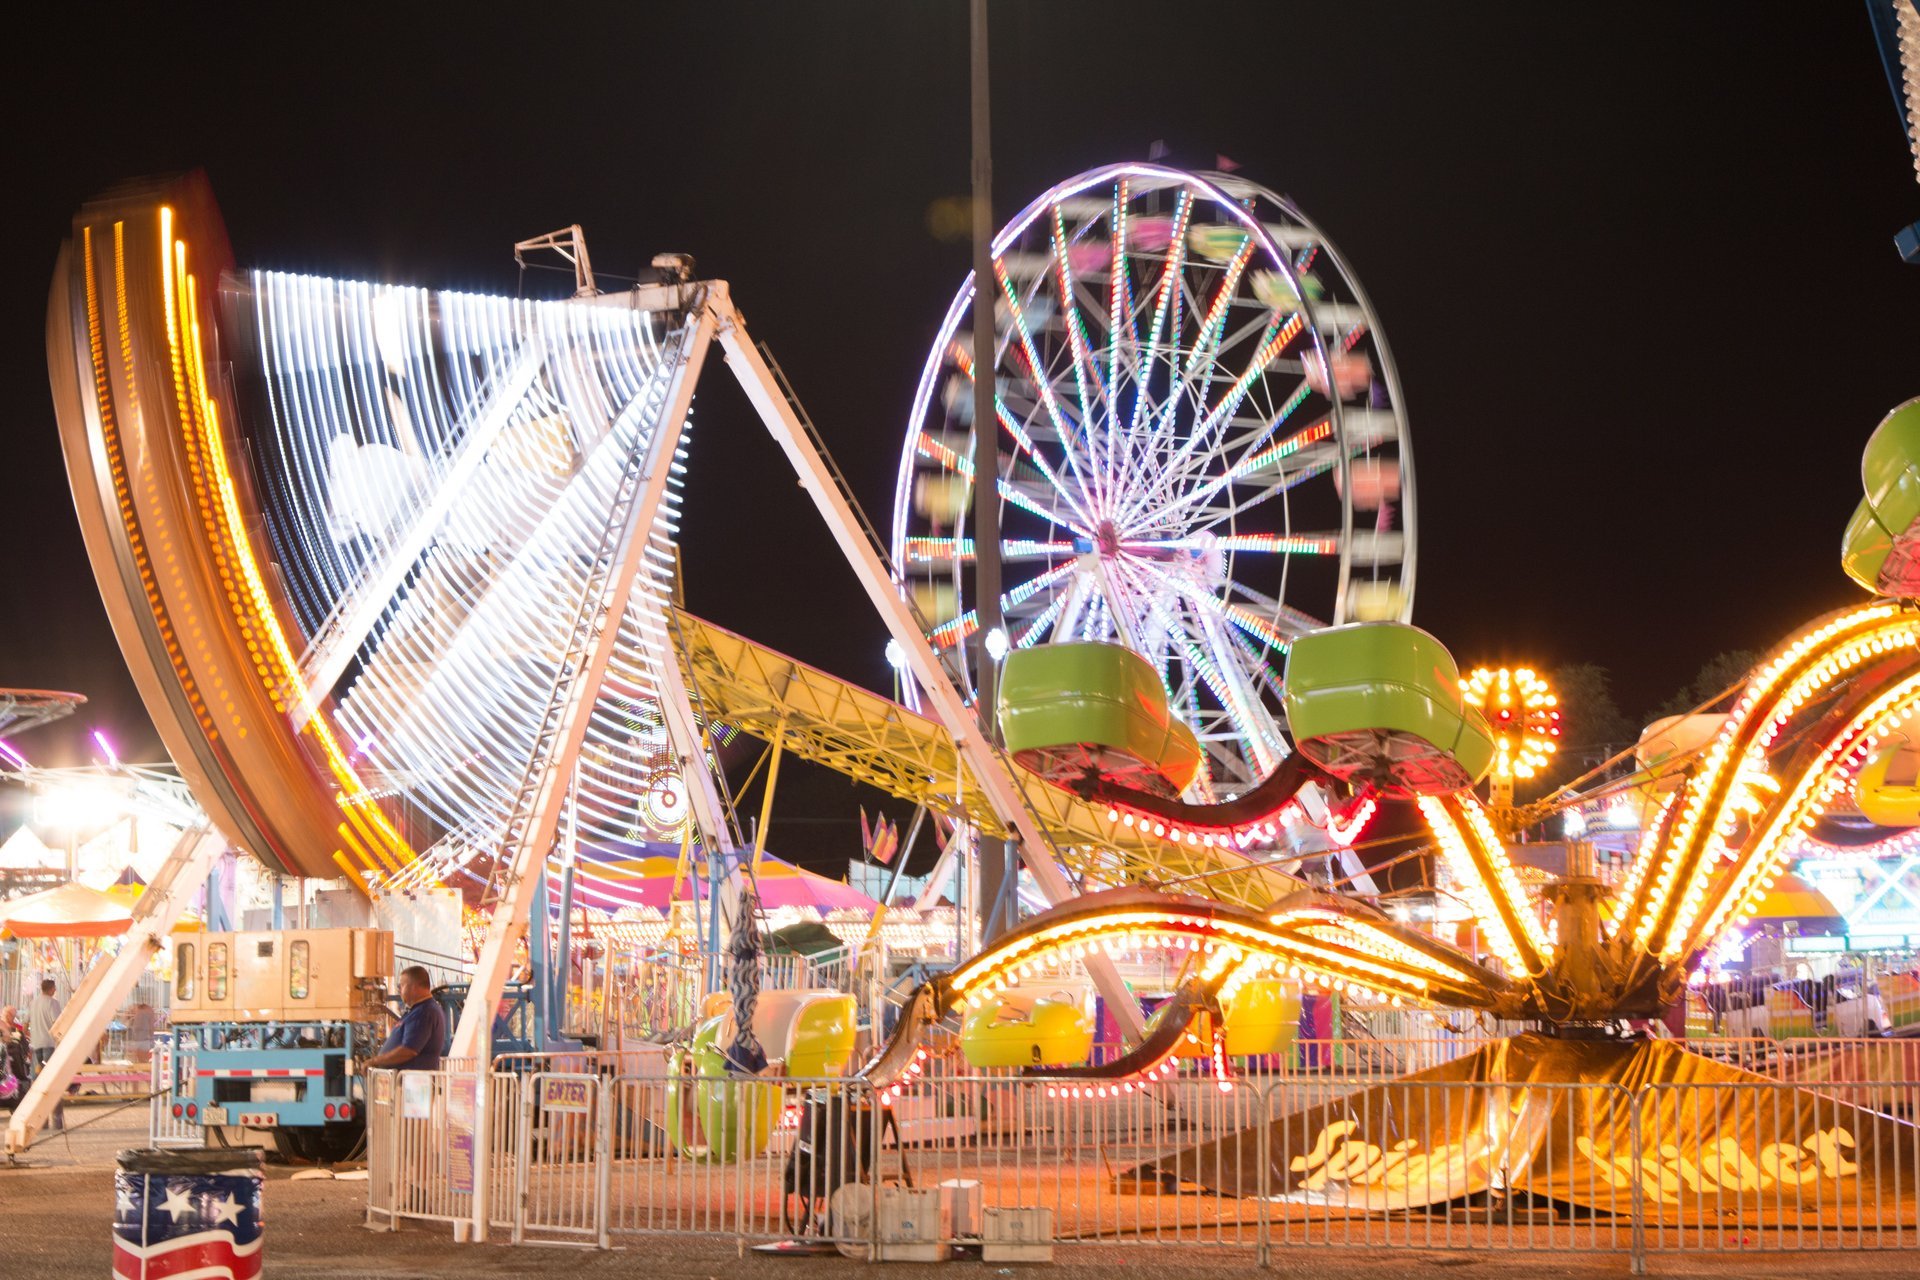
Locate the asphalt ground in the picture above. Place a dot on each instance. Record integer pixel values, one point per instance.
(56, 1208)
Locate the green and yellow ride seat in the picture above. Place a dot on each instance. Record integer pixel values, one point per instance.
(1025, 1029)
(1380, 703)
(1881, 547)
(1078, 711)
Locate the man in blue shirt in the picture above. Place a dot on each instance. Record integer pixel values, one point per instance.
(416, 1041)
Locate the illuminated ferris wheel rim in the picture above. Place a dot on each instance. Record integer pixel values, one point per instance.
(1232, 201)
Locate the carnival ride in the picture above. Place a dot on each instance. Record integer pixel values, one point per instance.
(1896, 28)
(1205, 451)
(1578, 960)
(393, 569)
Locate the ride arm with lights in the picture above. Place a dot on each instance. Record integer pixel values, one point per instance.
(1338, 941)
(1254, 814)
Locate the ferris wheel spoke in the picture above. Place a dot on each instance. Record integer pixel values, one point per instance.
(1254, 455)
(1167, 296)
(1319, 464)
(947, 551)
(1109, 578)
(1250, 463)
(1036, 628)
(1073, 605)
(1214, 617)
(1274, 339)
(1198, 652)
(1249, 712)
(1027, 447)
(1077, 344)
(957, 629)
(1119, 299)
(1184, 391)
(1266, 611)
(1013, 491)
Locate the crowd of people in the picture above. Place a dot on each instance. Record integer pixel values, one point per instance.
(28, 1040)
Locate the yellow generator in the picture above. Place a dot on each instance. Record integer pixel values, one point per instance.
(270, 1029)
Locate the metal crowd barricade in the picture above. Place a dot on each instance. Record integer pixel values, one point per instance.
(1745, 1167)
(560, 1161)
(425, 1134)
(739, 1159)
(382, 1101)
(1333, 1158)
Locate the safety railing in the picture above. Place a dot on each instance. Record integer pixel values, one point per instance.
(1766, 1166)
(594, 1157)
(428, 1137)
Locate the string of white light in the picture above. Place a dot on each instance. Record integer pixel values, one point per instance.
(480, 445)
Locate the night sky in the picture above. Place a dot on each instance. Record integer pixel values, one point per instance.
(1635, 264)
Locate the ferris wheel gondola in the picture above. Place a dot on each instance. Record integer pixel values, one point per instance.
(1203, 447)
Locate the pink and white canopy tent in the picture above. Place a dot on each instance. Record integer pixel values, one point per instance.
(650, 882)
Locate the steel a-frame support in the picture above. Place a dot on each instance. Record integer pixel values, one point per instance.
(859, 546)
(86, 1019)
(526, 859)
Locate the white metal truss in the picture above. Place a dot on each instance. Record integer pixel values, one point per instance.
(537, 805)
(93, 1006)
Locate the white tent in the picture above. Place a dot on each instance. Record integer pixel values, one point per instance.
(140, 843)
(25, 851)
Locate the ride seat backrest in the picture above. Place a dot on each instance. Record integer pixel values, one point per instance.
(774, 1016)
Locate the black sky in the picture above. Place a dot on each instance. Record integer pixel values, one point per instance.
(1634, 262)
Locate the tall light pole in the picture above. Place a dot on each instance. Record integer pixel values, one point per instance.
(996, 858)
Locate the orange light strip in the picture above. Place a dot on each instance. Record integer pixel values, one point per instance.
(1733, 778)
(1473, 851)
(1738, 893)
(1361, 956)
(275, 662)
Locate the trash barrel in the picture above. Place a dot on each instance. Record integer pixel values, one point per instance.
(194, 1210)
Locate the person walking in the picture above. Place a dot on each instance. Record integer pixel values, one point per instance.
(418, 1040)
(42, 1012)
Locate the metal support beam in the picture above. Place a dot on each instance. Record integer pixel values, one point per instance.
(766, 801)
(87, 1015)
(995, 860)
(862, 552)
(527, 856)
(687, 739)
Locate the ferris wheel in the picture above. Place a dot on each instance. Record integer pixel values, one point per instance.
(1203, 451)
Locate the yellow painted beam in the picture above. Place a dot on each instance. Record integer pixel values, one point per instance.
(826, 720)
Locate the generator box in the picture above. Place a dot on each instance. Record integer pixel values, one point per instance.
(294, 975)
(913, 1226)
(1016, 1235)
